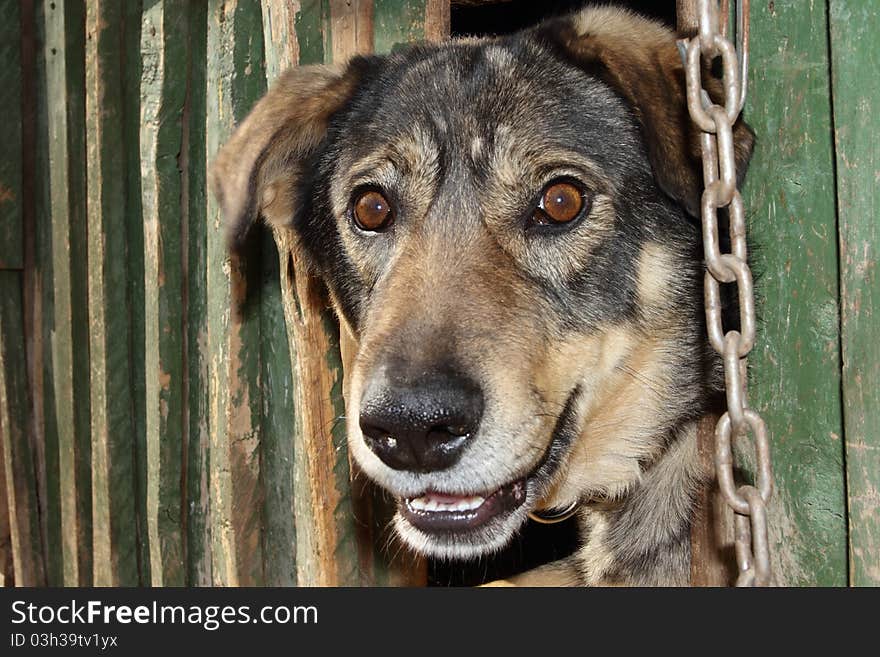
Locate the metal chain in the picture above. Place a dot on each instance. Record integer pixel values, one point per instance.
(748, 503)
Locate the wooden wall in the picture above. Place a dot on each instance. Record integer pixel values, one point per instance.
(147, 395)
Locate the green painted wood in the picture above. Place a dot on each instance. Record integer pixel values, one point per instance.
(855, 61)
(114, 543)
(41, 313)
(64, 53)
(397, 23)
(326, 542)
(309, 19)
(198, 534)
(278, 421)
(7, 516)
(15, 446)
(235, 80)
(11, 227)
(164, 77)
(276, 440)
(131, 92)
(795, 368)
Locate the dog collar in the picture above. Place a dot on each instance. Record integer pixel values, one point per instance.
(552, 516)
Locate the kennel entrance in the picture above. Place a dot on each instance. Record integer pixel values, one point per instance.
(146, 427)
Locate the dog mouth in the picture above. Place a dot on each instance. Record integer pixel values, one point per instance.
(468, 524)
(435, 512)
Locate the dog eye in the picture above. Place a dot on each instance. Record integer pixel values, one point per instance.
(372, 211)
(561, 202)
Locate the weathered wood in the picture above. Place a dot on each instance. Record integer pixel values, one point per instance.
(67, 433)
(197, 529)
(278, 423)
(131, 95)
(235, 80)
(277, 428)
(856, 87)
(17, 461)
(11, 227)
(32, 329)
(7, 567)
(38, 287)
(114, 544)
(309, 18)
(397, 23)
(437, 19)
(327, 553)
(164, 76)
(795, 367)
(326, 547)
(351, 28)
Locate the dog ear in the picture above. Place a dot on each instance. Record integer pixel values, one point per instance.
(639, 59)
(256, 172)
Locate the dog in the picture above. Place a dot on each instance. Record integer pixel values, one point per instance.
(508, 228)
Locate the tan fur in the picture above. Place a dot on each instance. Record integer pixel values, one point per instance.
(644, 65)
(284, 126)
(656, 263)
(619, 421)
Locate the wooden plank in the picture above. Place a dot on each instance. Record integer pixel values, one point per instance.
(437, 19)
(34, 189)
(795, 368)
(38, 302)
(327, 553)
(308, 24)
(326, 548)
(11, 227)
(351, 28)
(397, 23)
(114, 541)
(131, 119)
(164, 77)
(7, 567)
(278, 426)
(68, 323)
(198, 534)
(856, 87)
(278, 422)
(17, 460)
(235, 80)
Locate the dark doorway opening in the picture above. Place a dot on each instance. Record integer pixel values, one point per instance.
(506, 16)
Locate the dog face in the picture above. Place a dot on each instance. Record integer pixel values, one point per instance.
(503, 225)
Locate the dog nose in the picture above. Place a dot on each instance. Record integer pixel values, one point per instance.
(421, 426)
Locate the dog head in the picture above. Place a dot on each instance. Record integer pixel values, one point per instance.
(506, 227)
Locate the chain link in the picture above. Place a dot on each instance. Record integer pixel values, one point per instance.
(748, 503)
